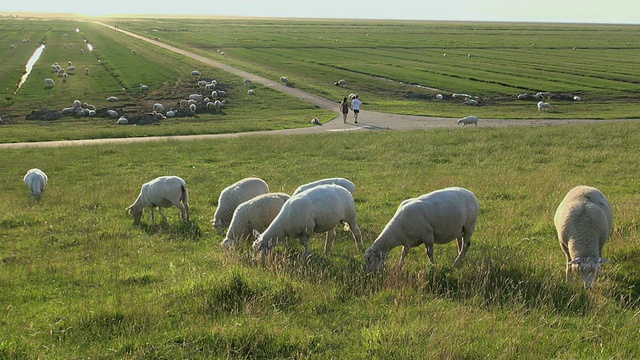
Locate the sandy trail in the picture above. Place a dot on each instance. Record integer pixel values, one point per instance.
(368, 120)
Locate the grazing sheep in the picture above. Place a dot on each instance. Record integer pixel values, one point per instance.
(218, 105)
(158, 107)
(171, 113)
(254, 214)
(247, 82)
(577, 98)
(81, 52)
(112, 99)
(352, 96)
(284, 80)
(316, 121)
(468, 120)
(235, 194)
(434, 218)
(439, 96)
(347, 184)
(71, 69)
(460, 96)
(61, 72)
(12, 46)
(192, 109)
(144, 87)
(211, 105)
(48, 82)
(471, 102)
(184, 104)
(122, 121)
(319, 209)
(112, 113)
(36, 181)
(341, 82)
(584, 221)
(64, 77)
(222, 93)
(133, 52)
(86, 71)
(196, 97)
(195, 73)
(251, 92)
(161, 192)
(543, 106)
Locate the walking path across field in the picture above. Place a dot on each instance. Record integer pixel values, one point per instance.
(369, 120)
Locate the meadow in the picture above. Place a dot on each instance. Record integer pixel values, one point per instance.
(396, 67)
(80, 280)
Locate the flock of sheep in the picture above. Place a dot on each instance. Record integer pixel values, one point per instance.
(247, 209)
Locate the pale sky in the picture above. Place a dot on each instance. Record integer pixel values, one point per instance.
(574, 11)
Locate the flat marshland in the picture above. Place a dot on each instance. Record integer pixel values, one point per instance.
(79, 280)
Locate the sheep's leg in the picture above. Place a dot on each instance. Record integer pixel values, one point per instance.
(164, 218)
(153, 214)
(464, 242)
(405, 252)
(429, 248)
(184, 212)
(357, 235)
(304, 240)
(568, 256)
(331, 235)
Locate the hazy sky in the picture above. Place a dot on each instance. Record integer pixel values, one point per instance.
(583, 11)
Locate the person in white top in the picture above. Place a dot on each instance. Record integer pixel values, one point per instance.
(355, 106)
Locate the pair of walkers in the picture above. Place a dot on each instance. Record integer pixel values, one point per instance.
(355, 106)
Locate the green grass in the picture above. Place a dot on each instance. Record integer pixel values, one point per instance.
(79, 280)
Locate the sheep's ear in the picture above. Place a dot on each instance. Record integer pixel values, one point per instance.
(575, 261)
(603, 260)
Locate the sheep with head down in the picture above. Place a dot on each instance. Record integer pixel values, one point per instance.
(317, 210)
(584, 221)
(36, 181)
(234, 195)
(434, 218)
(161, 192)
(255, 214)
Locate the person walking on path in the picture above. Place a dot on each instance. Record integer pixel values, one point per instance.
(355, 106)
(344, 109)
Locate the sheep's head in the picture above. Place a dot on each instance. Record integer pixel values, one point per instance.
(373, 260)
(136, 213)
(588, 268)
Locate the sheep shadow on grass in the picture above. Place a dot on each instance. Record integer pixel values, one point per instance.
(179, 232)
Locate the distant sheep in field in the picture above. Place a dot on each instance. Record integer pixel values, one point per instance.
(247, 82)
(315, 121)
(468, 120)
(439, 96)
(341, 82)
(471, 102)
(133, 52)
(434, 218)
(144, 87)
(171, 113)
(161, 192)
(284, 80)
(86, 71)
(112, 99)
(235, 194)
(577, 98)
(584, 221)
(195, 73)
(251, 92)
(192, 109)
(254, 214)
(543, 106)
(64, 77)
(122, 121)
(12, 46)
(460, 96)
(48, 82)
(196, 97)
(317, 210)
(112, 114)
(352, 96)
(71, 69)
(81, 52)
(158, 107)
(36, 181)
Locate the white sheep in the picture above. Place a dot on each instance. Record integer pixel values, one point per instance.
(468, 120)
(133, 52)
(347, 184)
(196, 97)
(171, 113)
(122, 121)
(161, 192)
(48, 82)
(254, 214)
(158, 107)
(439, 96)
(577, 98)
(434, 218)
(584, 220)
(112, 99)
(234, 195)
(86, 71)
(71, 69)
(284, 80)
(543, 106)
(251, 92)
(341, 82)
(471, 102)
(316, 121)
(144, 87)
(319, 209)
(112, 114)
(192, 109)
(195, 73)
(36, 181)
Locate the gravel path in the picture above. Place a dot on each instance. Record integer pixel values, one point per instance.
(369, 120)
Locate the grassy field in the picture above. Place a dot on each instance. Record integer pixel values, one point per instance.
(395, 66)
(80, 281)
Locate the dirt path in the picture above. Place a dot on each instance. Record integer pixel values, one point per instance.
(368, 120)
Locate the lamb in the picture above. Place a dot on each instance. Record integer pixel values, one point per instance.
(36, 181)
(48, 82)
(161, 192)
(543, 106)
(283, 79)
(319, 209)
(434, 218)
(468, 120)
(351, 187)
(255, 214)
(234, 195)
(584, 221)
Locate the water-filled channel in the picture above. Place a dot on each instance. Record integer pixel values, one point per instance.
(32, 61)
